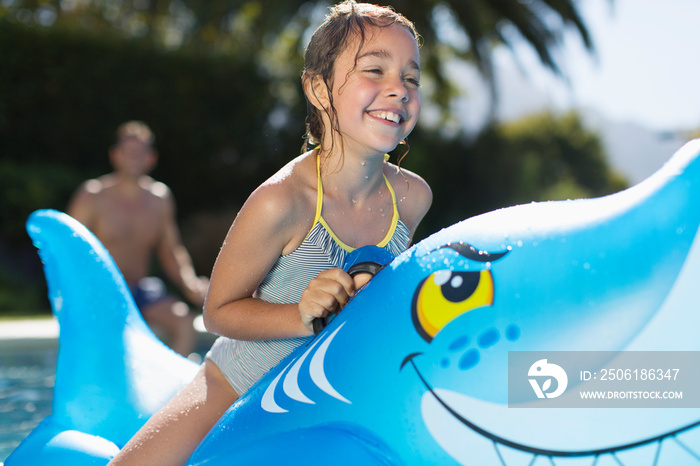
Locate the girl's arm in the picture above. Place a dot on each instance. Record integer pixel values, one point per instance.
(274, 219)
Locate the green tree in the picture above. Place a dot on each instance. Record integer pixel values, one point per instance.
(276, 29)
(557, 158)
(538, 158)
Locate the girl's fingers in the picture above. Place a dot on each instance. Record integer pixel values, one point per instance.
(326, 294)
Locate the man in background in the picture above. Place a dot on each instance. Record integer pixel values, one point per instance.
(133, 215)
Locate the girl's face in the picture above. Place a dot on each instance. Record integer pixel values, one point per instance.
(376, 97)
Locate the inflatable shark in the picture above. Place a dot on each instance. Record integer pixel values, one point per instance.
(419, 367)
(112, 372)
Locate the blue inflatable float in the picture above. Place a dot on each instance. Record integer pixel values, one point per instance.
(416, 369)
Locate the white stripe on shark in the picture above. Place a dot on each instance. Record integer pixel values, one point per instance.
(290, 384)
(316, 369)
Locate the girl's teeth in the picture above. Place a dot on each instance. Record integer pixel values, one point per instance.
(391, 116)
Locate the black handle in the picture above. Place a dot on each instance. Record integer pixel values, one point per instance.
(369, 267)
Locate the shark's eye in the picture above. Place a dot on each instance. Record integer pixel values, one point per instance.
(445, 295)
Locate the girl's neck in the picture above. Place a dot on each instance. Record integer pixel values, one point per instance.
(352, 177)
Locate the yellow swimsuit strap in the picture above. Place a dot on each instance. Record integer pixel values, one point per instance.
(319, 208)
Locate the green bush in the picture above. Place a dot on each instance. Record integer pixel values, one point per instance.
(64, 92)
(539, 158)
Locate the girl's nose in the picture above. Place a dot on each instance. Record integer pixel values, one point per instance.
(397, 88)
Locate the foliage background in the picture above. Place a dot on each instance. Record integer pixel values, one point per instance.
(225, 121)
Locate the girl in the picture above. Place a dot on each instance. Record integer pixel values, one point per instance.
(278, 268)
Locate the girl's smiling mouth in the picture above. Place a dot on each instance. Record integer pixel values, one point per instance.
(386, 115)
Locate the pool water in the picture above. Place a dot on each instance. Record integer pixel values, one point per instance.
(27, 374)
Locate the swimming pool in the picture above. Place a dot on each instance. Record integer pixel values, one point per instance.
(27, 371)
(28, 351)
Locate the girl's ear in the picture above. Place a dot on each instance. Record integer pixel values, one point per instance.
(316, 91)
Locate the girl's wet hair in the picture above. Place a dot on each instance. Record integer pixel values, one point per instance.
(346, 21)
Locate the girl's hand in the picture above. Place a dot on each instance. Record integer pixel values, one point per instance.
(326, 294)
(361, 279)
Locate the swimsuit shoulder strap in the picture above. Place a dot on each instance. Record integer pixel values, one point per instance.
(394, 215)
(319, 191)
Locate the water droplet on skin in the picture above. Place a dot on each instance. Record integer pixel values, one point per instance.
(363, 163)
(354, 201)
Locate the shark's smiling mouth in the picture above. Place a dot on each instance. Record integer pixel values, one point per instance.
(441, 414)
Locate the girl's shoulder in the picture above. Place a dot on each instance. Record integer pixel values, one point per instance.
(293, 179)
(413, 194)
(274, 216)
(290, 193)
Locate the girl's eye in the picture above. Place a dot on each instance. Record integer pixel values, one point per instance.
(413, 82)
(374, 71)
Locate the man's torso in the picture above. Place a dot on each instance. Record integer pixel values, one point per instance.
(130, 227)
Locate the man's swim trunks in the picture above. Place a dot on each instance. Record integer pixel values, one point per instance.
(148, 291)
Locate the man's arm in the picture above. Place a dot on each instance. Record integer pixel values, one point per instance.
(175, 259)
(82, 206)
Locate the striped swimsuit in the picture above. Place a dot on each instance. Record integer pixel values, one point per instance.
(244, 362)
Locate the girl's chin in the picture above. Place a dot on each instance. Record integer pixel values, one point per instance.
(386, 146)
(378, 146)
